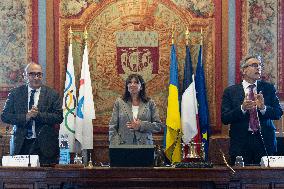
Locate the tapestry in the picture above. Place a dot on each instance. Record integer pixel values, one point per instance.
(260, 26)
(135, 36)
(198, 7)
(137, 52)
(15, 41)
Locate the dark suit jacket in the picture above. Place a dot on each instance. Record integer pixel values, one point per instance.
(50, 113)
(232, 114)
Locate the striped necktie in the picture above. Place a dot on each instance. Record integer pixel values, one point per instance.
(30, 122)
(253, 117)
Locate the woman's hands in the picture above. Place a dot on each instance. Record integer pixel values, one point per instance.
(134, 125)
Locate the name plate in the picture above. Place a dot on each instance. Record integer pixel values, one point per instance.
(274, 161)
(20, 161)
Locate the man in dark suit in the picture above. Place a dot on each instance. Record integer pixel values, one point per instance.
(251, 137)
(33, 110)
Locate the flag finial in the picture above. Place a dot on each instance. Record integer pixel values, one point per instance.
(85, 34)
(186, 36)
(173, 32)
(70, 36)
(201, 37)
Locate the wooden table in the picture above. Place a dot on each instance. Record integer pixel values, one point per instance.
(158, 178)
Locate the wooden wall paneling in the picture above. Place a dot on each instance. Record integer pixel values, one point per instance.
(225, 26)
(50, 44)
(56, 71)
(35, 30)
(238, 39)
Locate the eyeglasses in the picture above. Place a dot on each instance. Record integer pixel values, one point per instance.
(35, 74)
(254, 65)
(133, 83)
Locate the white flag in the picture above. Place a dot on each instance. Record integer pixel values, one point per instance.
(189, 113)
(67, 127)
(85, 108)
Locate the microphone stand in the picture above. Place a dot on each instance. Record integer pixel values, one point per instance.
(31, 151)
(1, 137)
(32, 147)
(264, 148)
(266, 153)
(29, 164)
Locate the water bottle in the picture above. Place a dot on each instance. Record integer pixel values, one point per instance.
(64, 150)
(78, 159)
(239, 161)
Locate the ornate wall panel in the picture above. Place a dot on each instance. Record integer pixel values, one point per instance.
(126, 26)
(15, 42)
(261, 34)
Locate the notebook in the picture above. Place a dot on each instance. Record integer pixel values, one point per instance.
(131, 155)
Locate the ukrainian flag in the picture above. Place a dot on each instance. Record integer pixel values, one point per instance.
(173, 135)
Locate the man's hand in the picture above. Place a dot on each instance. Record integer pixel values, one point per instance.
(135, 124)
(248, 104)
(259, 101)
(32, 113)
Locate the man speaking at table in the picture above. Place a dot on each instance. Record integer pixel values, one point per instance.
(33, 109)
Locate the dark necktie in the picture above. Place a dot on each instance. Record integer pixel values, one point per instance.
(253, 118)
(30, 122)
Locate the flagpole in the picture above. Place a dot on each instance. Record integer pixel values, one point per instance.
(67, 127)
(85, 108)
(85, 152)
(185, 147)
(173, 135)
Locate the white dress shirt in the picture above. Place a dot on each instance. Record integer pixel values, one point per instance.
(36, 98)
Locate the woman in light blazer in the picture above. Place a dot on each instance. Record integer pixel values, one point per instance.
(135, 116)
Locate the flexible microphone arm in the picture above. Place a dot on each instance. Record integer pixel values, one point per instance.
(266, 153)
(32, 146)
(30, 151)
(259, 126)
(225, 161)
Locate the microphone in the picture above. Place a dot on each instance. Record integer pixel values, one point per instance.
(225, 161)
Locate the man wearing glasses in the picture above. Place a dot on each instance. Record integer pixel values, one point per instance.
(33, 110)
(249, 108)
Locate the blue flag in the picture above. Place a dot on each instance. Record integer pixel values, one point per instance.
(202, 103)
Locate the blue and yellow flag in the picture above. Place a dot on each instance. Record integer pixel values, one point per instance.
(202, 102)
(173, 135)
